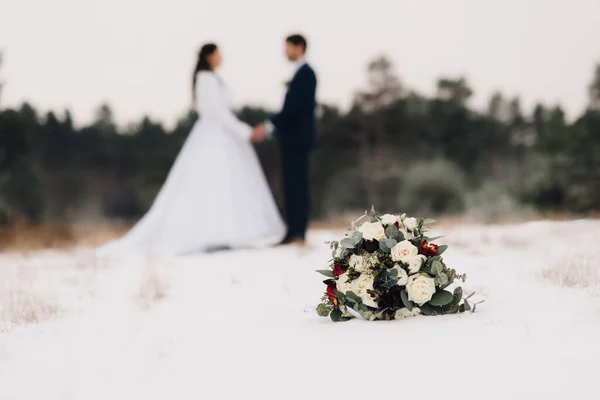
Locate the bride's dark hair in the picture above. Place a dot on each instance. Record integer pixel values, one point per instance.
(202, 63)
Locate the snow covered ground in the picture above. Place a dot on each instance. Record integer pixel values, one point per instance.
(241, 325)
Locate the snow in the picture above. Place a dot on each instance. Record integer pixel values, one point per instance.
(241, 325)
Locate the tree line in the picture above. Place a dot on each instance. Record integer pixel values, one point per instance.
(394, 148)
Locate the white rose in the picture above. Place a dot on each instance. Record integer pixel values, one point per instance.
(415, 263)
(372, 231)
(404, 251)
(342, 284)
(420, 288)
(357, 263)
(389, 219)
(411, 223)
(360, 286)
(402, 275)
(404, 313)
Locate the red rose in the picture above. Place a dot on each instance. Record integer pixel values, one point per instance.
(331, 286)
(331, 294)
(428, 249)
(338, 269)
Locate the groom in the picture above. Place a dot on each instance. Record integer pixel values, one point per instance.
(295, 129)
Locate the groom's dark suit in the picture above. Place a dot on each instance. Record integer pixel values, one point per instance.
(295, 129)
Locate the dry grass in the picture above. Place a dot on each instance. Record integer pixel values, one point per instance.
(343, 221)
(22, 300)
(153, 286)
(19, 306)
(22, 237)
(576, 272)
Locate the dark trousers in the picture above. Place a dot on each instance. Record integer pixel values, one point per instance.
(296, 189)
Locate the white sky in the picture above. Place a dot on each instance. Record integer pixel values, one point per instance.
(138, 54)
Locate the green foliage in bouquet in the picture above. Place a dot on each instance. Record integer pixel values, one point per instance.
(386, 268)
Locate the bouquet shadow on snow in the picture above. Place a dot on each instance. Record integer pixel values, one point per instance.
(386, 268)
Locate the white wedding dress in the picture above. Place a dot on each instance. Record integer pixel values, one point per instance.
(215, 194)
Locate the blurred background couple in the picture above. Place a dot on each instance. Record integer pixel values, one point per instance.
(216, 195)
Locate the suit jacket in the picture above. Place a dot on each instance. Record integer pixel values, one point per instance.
(295, 125)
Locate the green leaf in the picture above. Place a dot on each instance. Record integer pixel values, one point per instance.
(384, 247)
(441, 298)
(441, 279)
(390, 243)
(451, 309)
(466, 305)
(391, 232)
(387, 278)
(431, 260)
(353, 297)
(457, 297)
(357, 237)
(436, 267)
(326, 272)
(442, 249)
(431, 239)
(407, 303)
(347, 243)
(428, 221)
(336, 315)
(429, 310)
(400, 236)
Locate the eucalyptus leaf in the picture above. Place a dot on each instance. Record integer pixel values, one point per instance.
(390, 243)
(451, 309)
(387, 278)
(336, 315)
(392, 232)
(442, 249)
(353, 297)
(441, 298)
(384, 247)
(407, 303)
(433, 238)
(326, 272)
(347, 243)
(431, 260)
(441, 279)
(457, 297)
(436, 267)
(467, 305)
(357, 237)
(428, 309)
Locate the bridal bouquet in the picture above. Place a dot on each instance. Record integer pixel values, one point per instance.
(386, 268)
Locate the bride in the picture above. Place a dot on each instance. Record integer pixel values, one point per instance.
(215, 194)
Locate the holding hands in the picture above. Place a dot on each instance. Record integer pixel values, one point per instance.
(259, 133)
